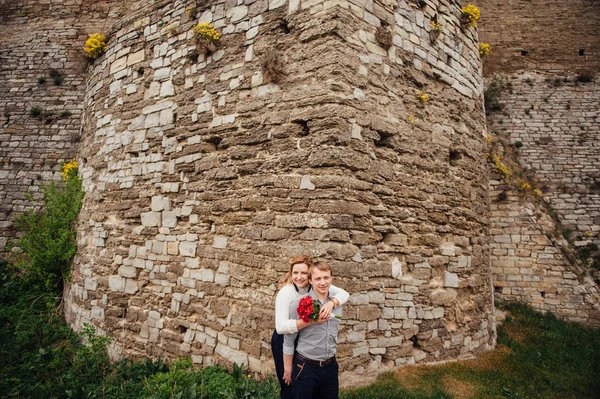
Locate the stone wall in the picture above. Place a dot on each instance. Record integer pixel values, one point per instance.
(203, 176)
(530, 265)
(555, 117)
(547, 35)
(36, 37)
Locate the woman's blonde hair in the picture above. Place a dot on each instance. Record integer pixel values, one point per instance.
(287, 279)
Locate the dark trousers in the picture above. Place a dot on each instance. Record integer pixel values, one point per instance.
(310, 381)
(277, 349)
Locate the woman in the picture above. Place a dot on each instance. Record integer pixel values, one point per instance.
(294, 285)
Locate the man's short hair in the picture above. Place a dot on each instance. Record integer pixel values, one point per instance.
(322, 266)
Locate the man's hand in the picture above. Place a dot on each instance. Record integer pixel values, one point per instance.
(287, 376)
(326, 309)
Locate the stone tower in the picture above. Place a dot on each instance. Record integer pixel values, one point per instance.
(204, 173)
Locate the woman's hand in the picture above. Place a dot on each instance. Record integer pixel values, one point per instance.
(326, 309)
(287, 376)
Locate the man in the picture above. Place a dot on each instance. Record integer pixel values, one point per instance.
(313, 371)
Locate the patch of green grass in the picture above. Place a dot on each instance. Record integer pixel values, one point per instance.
(538, 357)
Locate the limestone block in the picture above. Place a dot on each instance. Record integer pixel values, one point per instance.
(162, 74)
(151, 219)
(306, 184)
(220, 242)
(131, 286)
(207, 275)
(236, 14)
(128, 271)
(167, 89)
(230, 354)
(166, 117)
(187, 249)
(450, 280)
(118, 65)
(222, 279)
(169, 219)
(116, 283)
(397, 268)
(136, 57)
(160, 203)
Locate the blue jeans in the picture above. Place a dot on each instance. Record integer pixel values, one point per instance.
(310, 381)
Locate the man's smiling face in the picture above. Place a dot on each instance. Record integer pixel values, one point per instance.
(321, 281)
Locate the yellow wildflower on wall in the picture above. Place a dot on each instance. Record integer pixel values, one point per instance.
(436, 26)
(537, 192)
(524, 186)
(484, 49)
(470, 15)
(422, 98)
(69, 169)
(205, 31)
(95, 45)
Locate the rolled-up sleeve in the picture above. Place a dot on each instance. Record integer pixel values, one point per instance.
(339, 293)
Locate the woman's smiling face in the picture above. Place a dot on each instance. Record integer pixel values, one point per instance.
(300, 275)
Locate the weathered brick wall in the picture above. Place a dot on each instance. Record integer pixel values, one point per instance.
(557, 123)
(548, 35)
(529, 264)
(35, 38)
(202, 178)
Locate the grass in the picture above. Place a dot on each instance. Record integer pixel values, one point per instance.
(538, 356)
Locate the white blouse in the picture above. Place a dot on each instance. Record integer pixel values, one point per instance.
(288, 294)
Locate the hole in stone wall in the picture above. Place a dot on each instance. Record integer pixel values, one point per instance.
(449, 62)
(174, 117)
(502, 196)
(304, 124)
(140, 71)
(415, 341)
(182, 329)
(284, 25)
(498, 290)
(454, 157)
(543, 294)
(524, 52)
(214, 140)
(581, 51)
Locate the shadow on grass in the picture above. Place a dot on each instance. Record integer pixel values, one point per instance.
(538, 356)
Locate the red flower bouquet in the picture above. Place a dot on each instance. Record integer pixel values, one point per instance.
(308, 310)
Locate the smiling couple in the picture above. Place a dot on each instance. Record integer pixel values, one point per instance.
(304, 352)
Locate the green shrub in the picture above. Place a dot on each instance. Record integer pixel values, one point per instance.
(48, 240)
(491, 97)
(35, 111)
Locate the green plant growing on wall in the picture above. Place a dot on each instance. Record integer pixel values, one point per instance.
(56, 76)
(95, 45)
(48, 240)
(191, 12)
(64, 114)
(206, 38)
(36, 111)
(491, 97)
(41, 80)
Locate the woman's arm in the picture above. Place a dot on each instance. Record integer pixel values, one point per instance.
(283, 323)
